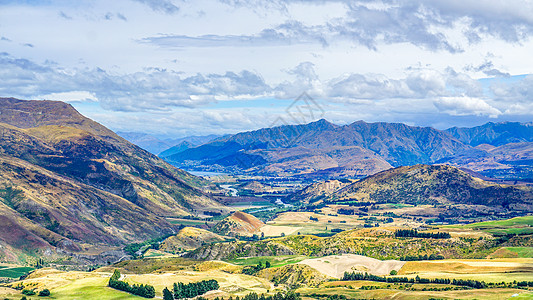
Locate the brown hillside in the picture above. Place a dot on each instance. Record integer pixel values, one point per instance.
(190, 238)
(239, 223)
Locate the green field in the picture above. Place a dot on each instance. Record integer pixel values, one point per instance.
(525, 252)
(14, 272)
(90, 288)
(518, 221)
(518, 225)
(275, 261)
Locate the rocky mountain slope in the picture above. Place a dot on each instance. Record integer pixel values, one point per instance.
(67, 182)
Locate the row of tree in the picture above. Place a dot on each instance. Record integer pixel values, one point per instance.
(189, 290)
(143, 290)
(432, 256)
(369, 277)
(416, 234)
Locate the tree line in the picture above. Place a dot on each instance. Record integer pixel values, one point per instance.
(425, 235)
(369, 277)
(432, 256)
(189, 290)
(143, 290)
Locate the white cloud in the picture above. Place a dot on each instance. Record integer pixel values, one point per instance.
(394, 60)
(463, 106)
(72, 96)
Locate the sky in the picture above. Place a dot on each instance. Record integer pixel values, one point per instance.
(174, 68)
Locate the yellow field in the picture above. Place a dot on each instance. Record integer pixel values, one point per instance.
(93, 285)
(385, 293)
(488, 270)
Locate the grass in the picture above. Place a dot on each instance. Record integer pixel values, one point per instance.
(504, 231)
(518, 225)
(396, 293)
(93, 285)
(525, 252)
(275, 261)
(527, 220)
(15, 272)
(90, 288)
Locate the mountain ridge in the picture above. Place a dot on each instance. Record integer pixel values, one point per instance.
(325, 150)
(70, 184)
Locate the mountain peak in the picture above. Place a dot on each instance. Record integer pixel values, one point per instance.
(321, 124)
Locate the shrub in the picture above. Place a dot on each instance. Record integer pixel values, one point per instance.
(28, 292)
(44, 293)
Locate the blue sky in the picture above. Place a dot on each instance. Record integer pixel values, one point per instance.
(176, 68)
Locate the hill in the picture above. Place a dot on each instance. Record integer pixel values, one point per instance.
(239, 223)
(189, 238)
(323, 148)
(69, 183)
(436, 185)
(453, 192)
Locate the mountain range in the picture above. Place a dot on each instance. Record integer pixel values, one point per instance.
(360, 149)
(165, 147)
(69, 184)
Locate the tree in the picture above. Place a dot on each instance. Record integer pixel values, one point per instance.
(44, 293)
(394, 272)
(167, 295)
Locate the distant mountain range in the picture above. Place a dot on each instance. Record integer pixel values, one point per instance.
(69, 184)
(165, 147)
(360, 149)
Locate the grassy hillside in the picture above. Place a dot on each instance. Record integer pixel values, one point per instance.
(190, 238)
(239, 223)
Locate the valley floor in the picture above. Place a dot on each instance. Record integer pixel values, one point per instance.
(163, 272)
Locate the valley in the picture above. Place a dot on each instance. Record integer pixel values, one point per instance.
(361, 211)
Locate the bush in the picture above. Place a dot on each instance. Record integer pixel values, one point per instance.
(28, 292)
(394, 272)
(44, 293)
